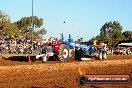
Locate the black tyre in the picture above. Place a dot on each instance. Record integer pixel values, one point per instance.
(63, 53)
(78, 54)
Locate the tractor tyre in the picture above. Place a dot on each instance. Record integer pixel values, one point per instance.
(63, 53)
(78, 54)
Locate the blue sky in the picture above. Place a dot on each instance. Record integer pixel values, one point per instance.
(83, 18)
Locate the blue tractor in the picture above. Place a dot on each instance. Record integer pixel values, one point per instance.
(78, 51)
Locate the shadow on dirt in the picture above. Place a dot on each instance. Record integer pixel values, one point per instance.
(17, 58)
(25, 58)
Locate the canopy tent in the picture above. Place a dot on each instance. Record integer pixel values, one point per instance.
(125, 44)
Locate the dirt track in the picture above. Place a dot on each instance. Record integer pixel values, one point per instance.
(61, 75)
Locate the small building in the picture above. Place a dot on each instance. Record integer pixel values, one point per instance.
(126, 45)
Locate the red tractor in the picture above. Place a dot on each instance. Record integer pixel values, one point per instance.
(52, 48)
(54, 42)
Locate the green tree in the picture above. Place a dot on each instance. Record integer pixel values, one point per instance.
(4, 22)
(6, 27)
(111, 33)
(42, 31)
(4, 17)
(128, 34)
(25, 26)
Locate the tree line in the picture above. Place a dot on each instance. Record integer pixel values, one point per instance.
(22, 27)
(111, 33)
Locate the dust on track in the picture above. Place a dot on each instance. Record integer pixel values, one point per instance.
(61, 75)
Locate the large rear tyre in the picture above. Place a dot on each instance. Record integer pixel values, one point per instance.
(78, 54)
(63, 53)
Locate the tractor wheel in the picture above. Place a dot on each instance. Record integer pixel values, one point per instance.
(63, 53)
(78, 54)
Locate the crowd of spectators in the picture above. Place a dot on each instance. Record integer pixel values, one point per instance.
(15, 45)
(21, 45)
(121, 51)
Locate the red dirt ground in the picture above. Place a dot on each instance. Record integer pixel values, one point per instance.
(61, 75)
